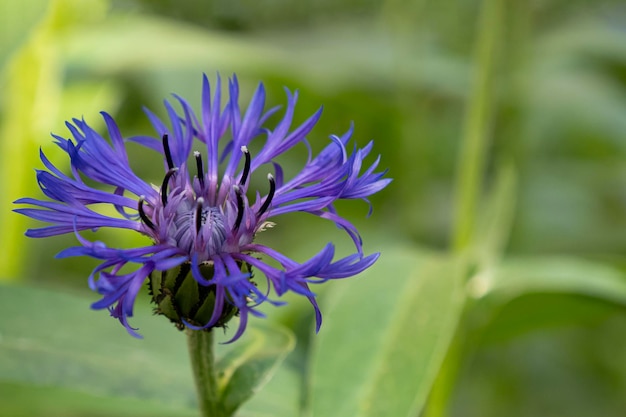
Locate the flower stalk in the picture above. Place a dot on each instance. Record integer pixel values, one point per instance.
(470, 172)
(478, 118)
(200, 344)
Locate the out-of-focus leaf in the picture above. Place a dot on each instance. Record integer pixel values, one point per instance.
(279, 398)
(567, 100)
(86, 99)
(519, 276)
(52, 339)
(251, 363)
(359, 54)
(533, 312)
(585, 37)
(31, 102)
(572, 206)
(495, 220)
(34, 401)
(16, 20)
(575, 371)
(576, 83)
(385, 336)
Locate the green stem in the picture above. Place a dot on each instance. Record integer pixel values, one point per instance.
(200, 345)
(470, 176)
(477, 122)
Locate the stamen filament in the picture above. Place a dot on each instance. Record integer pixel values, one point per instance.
(199, 168)
(199, 204)
(270, 195)
(166, 181)
(246, 167)
(167, 152)
(240, 208)
(143, 215)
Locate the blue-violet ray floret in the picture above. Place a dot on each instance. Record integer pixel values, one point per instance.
(202, 223)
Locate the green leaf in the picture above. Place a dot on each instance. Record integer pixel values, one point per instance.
(50, 339)
(17, 19)
(279, 398)
(31, 102)
(358, 53)
(385, 337)
(533, 312)
(54, 339)
(251, 363)
(519, 276)
(496, 218)
(31, 401)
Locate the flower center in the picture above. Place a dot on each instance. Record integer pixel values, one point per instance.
(198, 228)
(186, 220)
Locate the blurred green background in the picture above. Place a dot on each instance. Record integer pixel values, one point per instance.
(551, 113)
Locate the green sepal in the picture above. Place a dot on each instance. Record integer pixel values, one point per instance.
(181, 298)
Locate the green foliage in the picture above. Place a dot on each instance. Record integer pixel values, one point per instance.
(244, 369)
(50, 347)
(384, 360)
(531, 302)
(34, 100)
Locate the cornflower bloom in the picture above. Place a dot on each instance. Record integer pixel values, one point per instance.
(202, 226)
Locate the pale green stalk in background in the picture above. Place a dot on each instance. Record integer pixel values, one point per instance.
(30, 104)
(475, 139)
(470, 176)
(34, 103)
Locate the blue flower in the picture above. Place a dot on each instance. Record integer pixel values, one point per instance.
(203, 224)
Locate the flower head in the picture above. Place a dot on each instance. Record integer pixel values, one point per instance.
(202, 217)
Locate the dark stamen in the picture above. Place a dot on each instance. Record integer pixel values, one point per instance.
(200, 168)
(166, 181)
(269, 197)
(143, 216)
(199, 203)
(240, 208)
(246, 167)
(168, 153)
